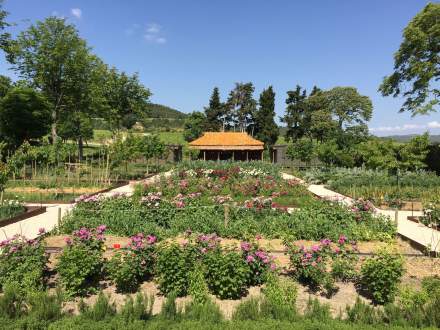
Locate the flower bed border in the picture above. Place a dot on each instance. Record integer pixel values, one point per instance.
(31, 211)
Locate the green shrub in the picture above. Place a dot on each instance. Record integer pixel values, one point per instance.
(226, 273)
(45, 307)
(12, 302)
(101, 310)
(169, 309)
(206, 312)
(128, 268)
(197, 285)
(259, 261)
(248, 309)
(317, 311)
(139, 309)
(280, 298)
(23, 262)
(381, 274)
(81, 263)
(173, 268)
(362, 312)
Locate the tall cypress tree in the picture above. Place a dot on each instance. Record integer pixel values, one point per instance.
(214, 112)
(266, 129)
(296, 114)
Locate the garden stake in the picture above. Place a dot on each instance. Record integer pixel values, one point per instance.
(59, 217)
(226, 207)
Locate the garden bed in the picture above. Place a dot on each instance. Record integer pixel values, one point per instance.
(30, 211)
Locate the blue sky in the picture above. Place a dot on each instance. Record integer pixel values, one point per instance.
(182, 49)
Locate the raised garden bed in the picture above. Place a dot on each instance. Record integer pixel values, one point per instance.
(31, 211)
(417, 219)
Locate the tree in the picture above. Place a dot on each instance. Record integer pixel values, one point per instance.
(46, 54)
(194, 126)
(24, 115)
(84, 101)
(412, 155)
(266, 129)
(4, 36)
(303, 149)
(296, 113)
(347, 106)
(126, 98)
(242, 106)
(5, 85)
(215, 113)
(152, 147)
(377, 154)
(416, 63)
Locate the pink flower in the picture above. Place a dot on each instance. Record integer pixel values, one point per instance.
(337, 250)
(245, 246)
(342, 239)
(68, 240)
(180, 204)
(151, 239)
(250, 259)
(101, 229)
(258, 237)
(315, 248)
(273, 266)
(41, 231)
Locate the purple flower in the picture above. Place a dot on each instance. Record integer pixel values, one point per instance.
(326, 242)
(101, 229)
(151, 239)
(342, 239)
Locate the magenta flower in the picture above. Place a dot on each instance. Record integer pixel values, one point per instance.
(342, 239)
(151, 239)
(315, 248)
(250, 259)
(41, 231)
(68, 240)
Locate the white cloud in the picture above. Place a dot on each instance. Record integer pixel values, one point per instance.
(434, 124)
(406, 127)
(153, 34)
(76, 12)
(153, 28)
(132, 29)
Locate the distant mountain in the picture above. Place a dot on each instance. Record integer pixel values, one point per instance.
(407, 137)
(159, 111)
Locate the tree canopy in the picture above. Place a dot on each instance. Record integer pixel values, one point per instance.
(416, 64)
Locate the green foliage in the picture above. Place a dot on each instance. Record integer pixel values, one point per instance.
(416, 63)
(4, 174)
(10, 208)
(317, 311)
(139, 309)
(169, 309)
(280, 298)
(101, 310)
(194, 126)
(22, 262)
(226, 273)
(381, 274)
(265, 128)
(130, 267)
(81, 263)
(241, 107)
(24, 115)
(303, 149)
(198, 288)
(12, 302)
(249, 309)
(207, 312)
(214, 112)
(173, 268)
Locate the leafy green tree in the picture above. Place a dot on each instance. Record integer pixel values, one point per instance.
(303, 149)
(5, 85)
(266, 129)
(215, 112)
(377, 154)
(46, 54)
(4, 36)
(242, 106)
(296, 114)
(194, 126)
(412, 155)
(24, 115)
(85, 100)
(152, 147)
(347, 106)
(416, 63)
(126, 98)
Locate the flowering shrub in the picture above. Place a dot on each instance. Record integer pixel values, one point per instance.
(381, 274)
(311, 265)
(129, 267)
(22, 263)
(227, 273)
(259, 262)
(152, 199)
(360, 205)
(259, 203)
(431, 214)
(80, 265)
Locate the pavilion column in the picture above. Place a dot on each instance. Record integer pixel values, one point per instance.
(218, 156)
(247, 155)
(233, 155)
(204, 154)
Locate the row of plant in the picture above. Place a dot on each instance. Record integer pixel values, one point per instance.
(32, 309)
(126, 216)
(10, 208)
(197, 264)
(377, 185)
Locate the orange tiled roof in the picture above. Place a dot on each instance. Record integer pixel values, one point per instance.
(227, 139)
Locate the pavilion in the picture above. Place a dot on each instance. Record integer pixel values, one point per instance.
(235, 146)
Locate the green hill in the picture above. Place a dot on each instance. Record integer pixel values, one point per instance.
(162, 111)
(162, 118)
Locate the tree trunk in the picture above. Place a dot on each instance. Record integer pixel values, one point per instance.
(80, 148)
(54, 126)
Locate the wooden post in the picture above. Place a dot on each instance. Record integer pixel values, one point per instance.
(204, 154)
(233, 155)
(247, 155)
(218, 156)
(226, 209)
(396, 217)
(59, 216)
(1, 198)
